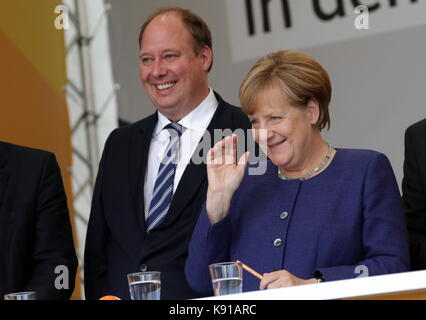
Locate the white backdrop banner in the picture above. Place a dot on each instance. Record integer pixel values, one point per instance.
(258, 27)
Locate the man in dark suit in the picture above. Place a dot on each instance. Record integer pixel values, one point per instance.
(36, 246)
(175, 58)
(414, 192)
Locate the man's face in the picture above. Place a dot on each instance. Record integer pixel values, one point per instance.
(173, 76)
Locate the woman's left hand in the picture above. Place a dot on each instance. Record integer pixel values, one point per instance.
(282, 278)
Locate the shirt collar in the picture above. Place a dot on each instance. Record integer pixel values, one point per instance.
(161, 123)
(197, 119)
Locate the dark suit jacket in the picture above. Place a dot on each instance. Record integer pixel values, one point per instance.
(414, 192)
(35, 229)
(117, 243)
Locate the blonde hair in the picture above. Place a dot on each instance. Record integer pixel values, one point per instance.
(299, 75)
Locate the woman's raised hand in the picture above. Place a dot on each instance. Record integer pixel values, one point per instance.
(224, 175)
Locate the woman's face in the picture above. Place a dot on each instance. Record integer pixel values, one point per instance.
(289, 129)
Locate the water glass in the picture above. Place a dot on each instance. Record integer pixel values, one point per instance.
(31, 295)
(227, 278)
(145, 285)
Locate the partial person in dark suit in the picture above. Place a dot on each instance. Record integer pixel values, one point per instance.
(35, 229)
(414, 192)
(122, 238)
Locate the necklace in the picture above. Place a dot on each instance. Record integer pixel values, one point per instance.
(313, 171)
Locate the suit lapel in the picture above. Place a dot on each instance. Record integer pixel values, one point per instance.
(138, 161)
(196, 174)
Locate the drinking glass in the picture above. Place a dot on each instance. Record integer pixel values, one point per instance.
(227, 278)
(145, 285)
(30, 295)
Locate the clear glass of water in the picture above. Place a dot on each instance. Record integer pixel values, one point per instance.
(31, 295)
(145, 285)
(227, 278)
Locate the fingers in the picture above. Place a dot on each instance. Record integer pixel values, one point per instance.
(268, 278)
(279, 279)
(244, 158)
(215, 154)
(225, 152)
(230, 149)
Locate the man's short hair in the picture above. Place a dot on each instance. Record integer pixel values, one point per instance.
(196, 26)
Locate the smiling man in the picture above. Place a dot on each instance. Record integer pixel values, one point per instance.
(173, 66)
(149, 192)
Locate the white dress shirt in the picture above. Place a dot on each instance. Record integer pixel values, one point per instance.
(194, 125)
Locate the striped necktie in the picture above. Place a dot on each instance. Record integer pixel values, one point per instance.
(163, 188)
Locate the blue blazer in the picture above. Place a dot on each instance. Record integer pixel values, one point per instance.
(345, 222)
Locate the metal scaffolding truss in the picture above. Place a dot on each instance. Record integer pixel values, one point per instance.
(91, 99)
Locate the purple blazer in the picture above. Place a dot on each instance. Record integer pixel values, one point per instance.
(346, 222)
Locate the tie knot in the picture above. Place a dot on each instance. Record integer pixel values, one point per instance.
(176, 127)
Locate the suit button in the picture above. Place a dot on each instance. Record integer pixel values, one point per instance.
(283, 215)
(143, 267)
(278, 242)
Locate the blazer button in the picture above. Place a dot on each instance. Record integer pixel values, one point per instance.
(283, 215)
(143, 268)
(278, 242)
